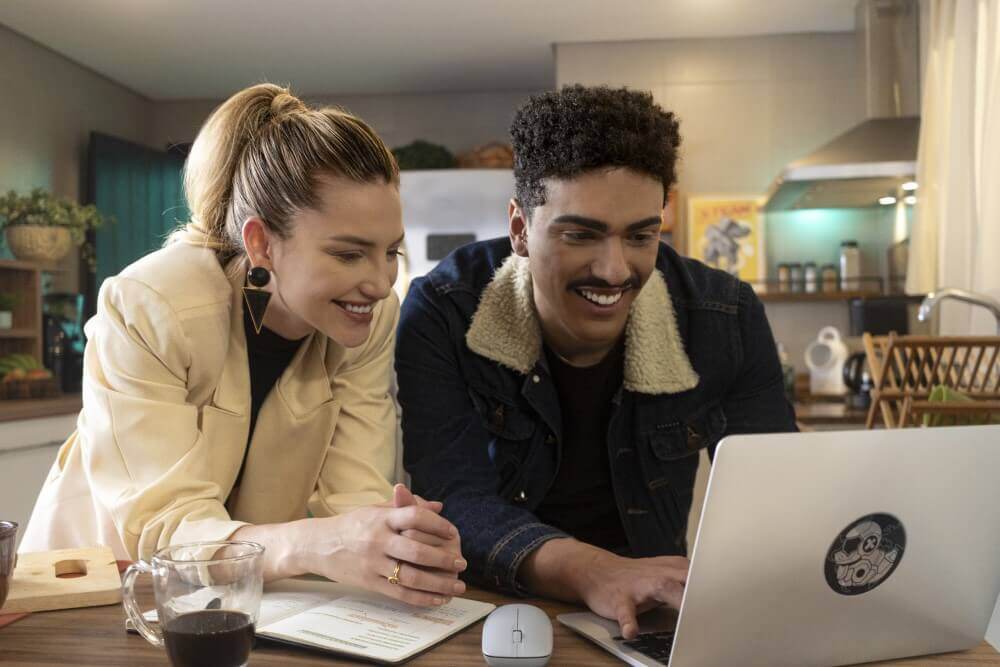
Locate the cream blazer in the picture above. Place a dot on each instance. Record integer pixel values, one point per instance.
(166, 414)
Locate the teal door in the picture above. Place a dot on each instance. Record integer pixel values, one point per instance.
(141, 188)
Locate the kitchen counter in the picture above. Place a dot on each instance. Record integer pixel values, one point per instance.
(30, 436)
(817, 412)
(40, 407)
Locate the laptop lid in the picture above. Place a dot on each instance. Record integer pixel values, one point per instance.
(832, 548)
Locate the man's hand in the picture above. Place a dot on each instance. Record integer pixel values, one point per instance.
(612, 586)
(403, 497)
(622, 588)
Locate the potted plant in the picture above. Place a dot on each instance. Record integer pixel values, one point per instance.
(7, 303)
(42, 227)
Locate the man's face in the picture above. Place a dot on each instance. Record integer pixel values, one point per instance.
(591, 247)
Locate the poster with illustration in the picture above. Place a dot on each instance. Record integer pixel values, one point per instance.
(728, 233)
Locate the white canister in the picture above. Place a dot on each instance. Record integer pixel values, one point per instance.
(825, 359)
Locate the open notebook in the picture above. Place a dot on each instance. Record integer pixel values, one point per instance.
(328, 616)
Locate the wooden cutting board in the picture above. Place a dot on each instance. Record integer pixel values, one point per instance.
(35, 585)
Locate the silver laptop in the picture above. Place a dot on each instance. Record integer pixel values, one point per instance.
(832, 548)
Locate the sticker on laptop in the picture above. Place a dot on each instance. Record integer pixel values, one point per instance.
(865, 554)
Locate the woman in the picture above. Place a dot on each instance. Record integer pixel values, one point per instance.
(237, 380)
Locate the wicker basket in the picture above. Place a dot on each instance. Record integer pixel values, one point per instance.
(15, 390)
(494, 155)
(39, 243)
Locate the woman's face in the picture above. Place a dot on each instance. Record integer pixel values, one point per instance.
(339, 261)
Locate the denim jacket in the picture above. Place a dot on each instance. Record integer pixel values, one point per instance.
(481, 419)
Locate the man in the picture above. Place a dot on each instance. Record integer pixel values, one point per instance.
(558, 386)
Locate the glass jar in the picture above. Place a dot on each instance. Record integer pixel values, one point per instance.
(811, 277)
(828, 278)
(850, 266)
(784, 278)
(796, 277)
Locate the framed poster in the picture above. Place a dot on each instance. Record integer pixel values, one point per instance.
(727, 232)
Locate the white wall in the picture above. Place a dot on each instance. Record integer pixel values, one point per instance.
(747, 105)
(459, 121)
(49, 107)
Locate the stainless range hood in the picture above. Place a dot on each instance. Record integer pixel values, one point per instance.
(875, 158)
(868, 161)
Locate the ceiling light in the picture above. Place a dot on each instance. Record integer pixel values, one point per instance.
(887, 201)
(909, 186)
(909, 199)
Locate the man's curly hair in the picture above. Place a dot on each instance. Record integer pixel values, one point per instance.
(562, 134)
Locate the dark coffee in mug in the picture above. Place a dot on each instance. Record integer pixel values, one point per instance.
(8, 533)
(210, 638)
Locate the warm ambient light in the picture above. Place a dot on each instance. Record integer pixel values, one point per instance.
(909, 186)
(887, 201)
(909, 199)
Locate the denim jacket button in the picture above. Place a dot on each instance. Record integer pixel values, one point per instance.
(536, 379)
(521, 497)
(550, 439)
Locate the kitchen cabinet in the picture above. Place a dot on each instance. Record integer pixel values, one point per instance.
(27, 449)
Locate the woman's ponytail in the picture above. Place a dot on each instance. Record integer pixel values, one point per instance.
(260, 153)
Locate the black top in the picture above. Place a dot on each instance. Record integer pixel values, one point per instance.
(269, 355)
(582, 498)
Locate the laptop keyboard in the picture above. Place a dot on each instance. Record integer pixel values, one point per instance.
(655, 645)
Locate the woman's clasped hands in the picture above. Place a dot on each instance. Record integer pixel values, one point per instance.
(402, 548)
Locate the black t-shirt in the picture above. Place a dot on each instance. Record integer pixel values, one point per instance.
(269, 355)
(582, 498)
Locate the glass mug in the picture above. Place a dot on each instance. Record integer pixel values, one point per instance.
(207, 599)
(8, 557)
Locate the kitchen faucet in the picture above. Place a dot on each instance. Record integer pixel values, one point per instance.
(931, 301)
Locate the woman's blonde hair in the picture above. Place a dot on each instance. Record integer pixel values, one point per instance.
(262, 154)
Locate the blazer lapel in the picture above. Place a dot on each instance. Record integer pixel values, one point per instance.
(293, 432)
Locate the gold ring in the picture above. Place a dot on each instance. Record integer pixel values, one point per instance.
(394, 579)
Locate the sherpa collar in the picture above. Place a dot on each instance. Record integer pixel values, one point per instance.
(505, 329)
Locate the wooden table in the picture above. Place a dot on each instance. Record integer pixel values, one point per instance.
(96, 636)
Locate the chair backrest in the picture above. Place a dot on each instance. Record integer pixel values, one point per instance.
(907, 369)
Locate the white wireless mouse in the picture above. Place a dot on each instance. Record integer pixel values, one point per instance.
(517, 634)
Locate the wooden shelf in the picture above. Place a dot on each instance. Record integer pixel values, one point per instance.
(17, 265)
(815, 297)
(22, 280)
(45, 267)
(18, 333)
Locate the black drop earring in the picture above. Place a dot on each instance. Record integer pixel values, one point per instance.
(256, 297)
